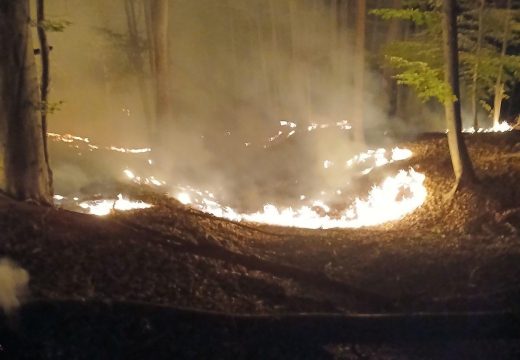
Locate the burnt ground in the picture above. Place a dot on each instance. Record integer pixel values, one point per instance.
(460, 254)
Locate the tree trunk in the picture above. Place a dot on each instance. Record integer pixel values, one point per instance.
(474, 88)
(394, 33)
(45, 79)
(359, 76)
(461, 162)
(24, 172)
(136, 59)
(159, 22)
(499, 86)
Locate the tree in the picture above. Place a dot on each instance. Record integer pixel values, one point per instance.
(135, 54)
(24, 171)
(418, 61)
(159, 50)
(462, 167)
(474, 87)
(359, 76)
(499, 86)
(45, 78)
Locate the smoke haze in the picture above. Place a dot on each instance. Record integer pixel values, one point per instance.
(237, 69)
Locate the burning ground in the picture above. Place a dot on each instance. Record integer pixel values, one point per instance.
(461, 254)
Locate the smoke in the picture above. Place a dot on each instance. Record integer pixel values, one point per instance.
(237, 68)
(13, 284)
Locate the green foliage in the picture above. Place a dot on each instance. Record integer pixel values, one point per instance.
(418, 61)
(417, 16)
(53, 25)
(416, 50)
(48, 108)
(425, 80)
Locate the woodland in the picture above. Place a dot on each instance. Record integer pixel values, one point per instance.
(260, 179)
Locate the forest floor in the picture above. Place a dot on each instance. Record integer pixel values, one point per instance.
(451, 255)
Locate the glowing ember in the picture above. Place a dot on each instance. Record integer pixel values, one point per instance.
(184, 198)
(67, 138)
(105, 207)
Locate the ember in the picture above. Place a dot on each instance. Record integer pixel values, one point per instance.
(105, 207)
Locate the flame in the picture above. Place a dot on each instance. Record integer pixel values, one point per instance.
(68, 138)
(396, 197)
(500, 127)
(393, 199)
(377, 158)
(105, 207)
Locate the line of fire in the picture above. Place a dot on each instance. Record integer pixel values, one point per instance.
(259, 179)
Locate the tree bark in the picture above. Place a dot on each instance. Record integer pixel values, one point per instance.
(45, 79)
(159, 23)
(25, 174)
(499, 86)
(461, 162)
(359, 76)
(474, 88)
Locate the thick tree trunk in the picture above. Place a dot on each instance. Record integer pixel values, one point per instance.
(462, 166)
(45, 79)
(24, 171)
(474, 88)
(359, 76)
(499, 86)
(159, 23)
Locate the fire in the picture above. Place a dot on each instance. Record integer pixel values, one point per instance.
(500, 127)
(391, 200)
(68, 138)
(378, 158)
(105, 207)
(396, 197)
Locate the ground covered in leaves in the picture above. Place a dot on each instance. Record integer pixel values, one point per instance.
(453, 254)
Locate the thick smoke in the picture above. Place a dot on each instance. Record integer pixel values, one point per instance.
(238, 68)
(13, 284)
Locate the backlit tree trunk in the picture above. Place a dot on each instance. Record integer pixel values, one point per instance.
(136, 59)
(474, 87)
(461, 162)
(499, 86)
(159, 24)
(359, 76)
(45, 78)
(23, 169)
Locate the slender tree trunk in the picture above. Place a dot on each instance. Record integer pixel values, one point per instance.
(159, 22)
(149, 34)
(136, 59)
(499, 86)
(359, 76)
(461, 162)
(276, 74)
(263, 63)
(474, 87)
(45, 80)
(393, 34)
(24, 170)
